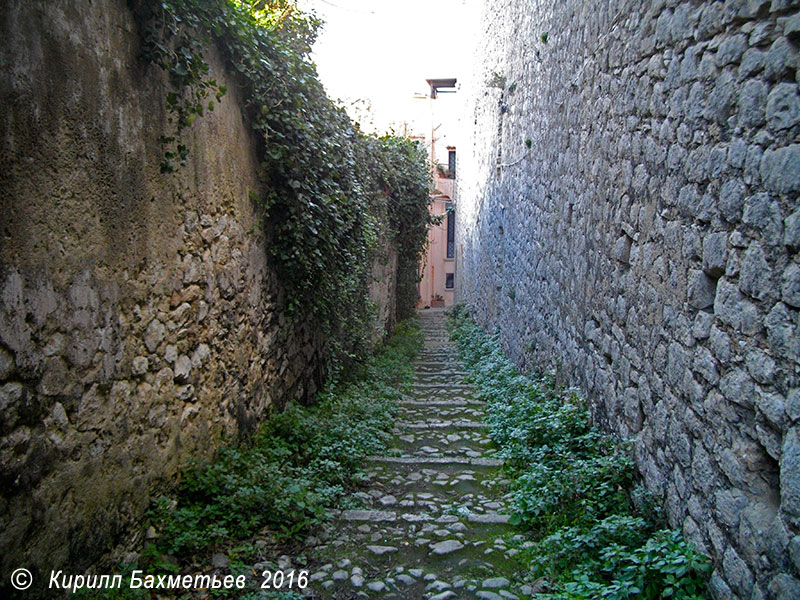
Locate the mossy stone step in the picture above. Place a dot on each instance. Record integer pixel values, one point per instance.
(432, 521)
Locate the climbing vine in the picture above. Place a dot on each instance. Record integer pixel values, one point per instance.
(402, 178)
(329, 189)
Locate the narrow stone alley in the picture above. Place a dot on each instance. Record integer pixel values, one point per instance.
(434, 521)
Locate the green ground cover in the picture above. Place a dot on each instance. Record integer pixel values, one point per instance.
(596, 531)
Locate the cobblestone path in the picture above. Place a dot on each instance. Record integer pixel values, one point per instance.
(434, 522)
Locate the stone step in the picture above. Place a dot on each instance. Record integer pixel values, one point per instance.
(433, 536)
(433, 413)
(465, 452)
(403, 480)
(454, 402)
(462, 497)
(391, 516)
(443, 441)
(449, 361)
(438, 385)
(422, 400)
(442, 375)
(454, 425)
(434, 544)
(476, 439)
(451, 391)
(437, 460)
(424, 395)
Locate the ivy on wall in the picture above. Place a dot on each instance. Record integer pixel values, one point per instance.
(331, 191)
(404, 178)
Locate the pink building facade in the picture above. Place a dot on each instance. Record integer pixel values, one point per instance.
(436, 129)
(437, 285)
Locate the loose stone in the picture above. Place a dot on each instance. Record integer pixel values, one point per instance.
(438, 586)
(446, 547)
(496, 582)
(380, 550)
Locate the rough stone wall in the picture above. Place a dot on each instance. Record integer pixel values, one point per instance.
(140, 322)
(628, 214)
(383, 291)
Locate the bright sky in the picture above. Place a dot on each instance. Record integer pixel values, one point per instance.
(382, 51)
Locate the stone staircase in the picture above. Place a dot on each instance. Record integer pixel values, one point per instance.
(433, 522)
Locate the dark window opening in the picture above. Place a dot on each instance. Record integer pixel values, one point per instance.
(449, 281)
(451, 164)
(451, 232)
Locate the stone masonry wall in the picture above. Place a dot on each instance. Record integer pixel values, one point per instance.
(628, 215)
(140, 322)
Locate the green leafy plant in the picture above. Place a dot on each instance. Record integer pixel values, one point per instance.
(574, 487)
(666, 566)
(496, 80)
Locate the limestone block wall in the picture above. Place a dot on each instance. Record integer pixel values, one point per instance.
(629, 215)
(140, 323)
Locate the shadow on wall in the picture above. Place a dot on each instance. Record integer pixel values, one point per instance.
(650, 243)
